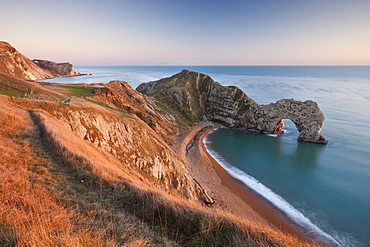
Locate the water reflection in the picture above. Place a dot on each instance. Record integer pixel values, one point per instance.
(271, 153)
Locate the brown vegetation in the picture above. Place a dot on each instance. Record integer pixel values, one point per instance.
(60, 190)
(12, 86)
(29, 213)
(39, 200)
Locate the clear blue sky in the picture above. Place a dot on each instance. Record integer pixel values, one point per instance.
(190, 32)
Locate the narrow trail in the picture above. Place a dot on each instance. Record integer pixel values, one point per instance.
(66, 100)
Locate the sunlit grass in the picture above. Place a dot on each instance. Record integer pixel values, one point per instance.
(9, 91)
(12, 86)
(79, 91)
(59, 190)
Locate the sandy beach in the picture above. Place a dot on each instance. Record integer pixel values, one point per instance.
(230, 194)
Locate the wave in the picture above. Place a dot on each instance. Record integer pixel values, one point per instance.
(286, 131)
(273, 198)
(272, 135)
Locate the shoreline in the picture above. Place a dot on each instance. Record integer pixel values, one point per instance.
(231, 194)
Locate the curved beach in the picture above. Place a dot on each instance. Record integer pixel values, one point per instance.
(231, 194)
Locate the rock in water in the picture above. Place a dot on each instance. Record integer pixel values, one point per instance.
(195, 97)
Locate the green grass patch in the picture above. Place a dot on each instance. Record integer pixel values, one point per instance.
(10, 91)
(79, 91)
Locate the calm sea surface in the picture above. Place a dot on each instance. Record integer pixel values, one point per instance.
(323, 187)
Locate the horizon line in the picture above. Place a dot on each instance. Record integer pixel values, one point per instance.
(231, 65)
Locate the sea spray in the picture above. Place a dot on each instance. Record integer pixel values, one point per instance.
(274, 198)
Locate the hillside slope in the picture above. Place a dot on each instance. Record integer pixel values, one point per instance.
(127, 138)
(98, 169)
(12, 86)
(84, 175)
(16, 64)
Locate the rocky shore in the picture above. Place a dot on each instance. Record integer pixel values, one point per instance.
(225, 190)
(230, 194)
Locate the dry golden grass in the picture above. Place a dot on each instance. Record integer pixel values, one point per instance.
(13, 86)
(58, 190)
(31, 213)
(28, 213)
(108, 168)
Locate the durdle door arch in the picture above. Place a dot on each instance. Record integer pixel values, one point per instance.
(306, 116)
(196, 97)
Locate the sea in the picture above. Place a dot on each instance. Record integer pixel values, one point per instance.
(325, 188)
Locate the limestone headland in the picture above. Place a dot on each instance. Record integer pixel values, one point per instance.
(194, 97)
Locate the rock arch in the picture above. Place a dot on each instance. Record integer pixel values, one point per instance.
(306, 116)
(194, 97)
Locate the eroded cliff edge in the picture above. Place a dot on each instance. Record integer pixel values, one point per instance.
(16, 64)
(194, 97)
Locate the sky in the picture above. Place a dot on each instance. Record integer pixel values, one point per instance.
(189, 32)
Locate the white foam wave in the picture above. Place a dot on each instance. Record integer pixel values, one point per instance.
(274, 198)
(272, 135)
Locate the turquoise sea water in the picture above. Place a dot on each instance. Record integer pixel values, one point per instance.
(327, 186)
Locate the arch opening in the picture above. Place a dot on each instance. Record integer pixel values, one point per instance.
(302, 130)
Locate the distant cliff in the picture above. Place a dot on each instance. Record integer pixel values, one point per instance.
(56, 69)
(16, 64)
(194, 97)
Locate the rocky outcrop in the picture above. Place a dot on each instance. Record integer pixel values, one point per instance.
(16, 64)
(131, 141)
(137, 147)
(194, 97)
(306, 116)
(56, 69)
(119, 94)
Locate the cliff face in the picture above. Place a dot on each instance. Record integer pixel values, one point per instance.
(140, 140)
(56, 69)
(137, 147)
(132, 142)
(16, 64)
(120, 95)
(194, 96)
